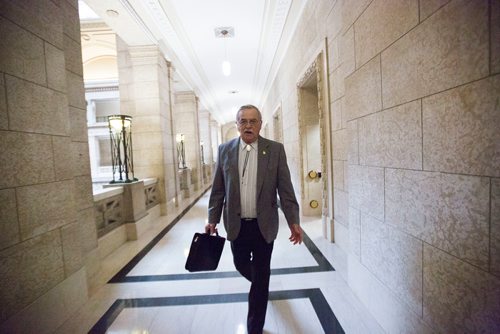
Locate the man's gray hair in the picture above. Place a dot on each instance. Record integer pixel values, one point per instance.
(248, 106)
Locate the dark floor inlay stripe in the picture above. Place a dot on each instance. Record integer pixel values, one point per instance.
(118, 278)
(320, 305)
(323, 265)
(121, 276)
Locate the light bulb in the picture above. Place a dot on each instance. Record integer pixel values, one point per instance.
(226, 68)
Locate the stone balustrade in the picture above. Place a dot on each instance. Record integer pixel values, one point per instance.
(116, 204)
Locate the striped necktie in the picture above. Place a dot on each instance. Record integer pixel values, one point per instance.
(248, 148)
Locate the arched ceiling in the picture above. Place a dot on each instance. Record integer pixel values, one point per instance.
(185, 30)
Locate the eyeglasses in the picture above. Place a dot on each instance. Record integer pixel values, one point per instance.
(252, 122)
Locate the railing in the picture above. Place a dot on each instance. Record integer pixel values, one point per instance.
(109, 205)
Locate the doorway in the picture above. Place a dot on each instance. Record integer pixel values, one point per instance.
(313, 106)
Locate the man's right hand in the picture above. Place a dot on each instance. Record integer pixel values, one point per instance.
(210, 228)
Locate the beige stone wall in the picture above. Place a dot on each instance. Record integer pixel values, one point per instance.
(416, 154)
(47, 230)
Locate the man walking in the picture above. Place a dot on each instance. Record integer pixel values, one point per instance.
(251, 172)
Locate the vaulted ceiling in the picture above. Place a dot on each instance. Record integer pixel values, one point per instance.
(188, 33)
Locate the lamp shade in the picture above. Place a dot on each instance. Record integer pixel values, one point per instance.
(179, 137)
(119, 122)
(120, 132)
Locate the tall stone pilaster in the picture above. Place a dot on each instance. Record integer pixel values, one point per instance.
(186, 122)
(145, 95)
(206, 148)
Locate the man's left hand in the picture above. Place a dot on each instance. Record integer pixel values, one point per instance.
(296, 237)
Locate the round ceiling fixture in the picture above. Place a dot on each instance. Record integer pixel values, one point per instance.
(112, 13)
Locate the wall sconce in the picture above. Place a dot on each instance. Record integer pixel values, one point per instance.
(202, 153)
(120, 132)
(181, 154)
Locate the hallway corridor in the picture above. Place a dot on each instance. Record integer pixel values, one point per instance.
(153, 293)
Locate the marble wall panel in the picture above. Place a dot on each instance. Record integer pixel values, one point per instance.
(86, 220)
(80, 158)
(339, 120)
(83, 192)
(28, 270)
(495, 227)
(71, 23)
(63, 158)
(4, 116)
(429, 7)
(363, 90)
(395, 258)
(353, 142)
(351, 10)
(146, 89)
(355, 232)
(366, 190)
(76, 91)
(72, 248)
(337, 85)
(383, 22)
(347, 52)
(334, 21)
(459, 298)
(72, 53)
(392, 138)
(41, 18)
(78, 124)
(55, 62)
(460, 129)
(33, 108)
(47, 313)
(341, 206)
(144, 107)
(333, 54)
(339, 144)
(9, 227)
(346, 175)
(147, 74)
(494, 33)
(45, 207)
(147, 123)
(152, 156)
(391, 313)
(447, 211)
(25, 159)
(338, 174)
(446, 50)
(21, 53)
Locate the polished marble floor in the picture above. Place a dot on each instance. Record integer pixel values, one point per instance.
(153, 293)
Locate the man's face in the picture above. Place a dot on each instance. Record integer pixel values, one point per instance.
(249, 124)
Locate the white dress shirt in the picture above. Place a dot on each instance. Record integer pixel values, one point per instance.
(248, 181)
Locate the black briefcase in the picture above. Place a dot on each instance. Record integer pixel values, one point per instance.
(205, 252)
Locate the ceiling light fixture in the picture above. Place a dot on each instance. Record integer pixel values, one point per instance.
(226, 68)
(112, 13)
(225, 32)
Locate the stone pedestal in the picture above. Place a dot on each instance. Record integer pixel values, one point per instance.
(185, 182)
(207, 175)
(134, 205)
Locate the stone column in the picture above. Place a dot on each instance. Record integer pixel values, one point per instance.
(47, 233)
(206, 148)
(215, 136)
(186, 122)
(144, 95)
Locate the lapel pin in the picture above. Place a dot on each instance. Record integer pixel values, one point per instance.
(264, 152)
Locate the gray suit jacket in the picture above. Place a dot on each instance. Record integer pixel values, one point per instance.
(273, 178)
